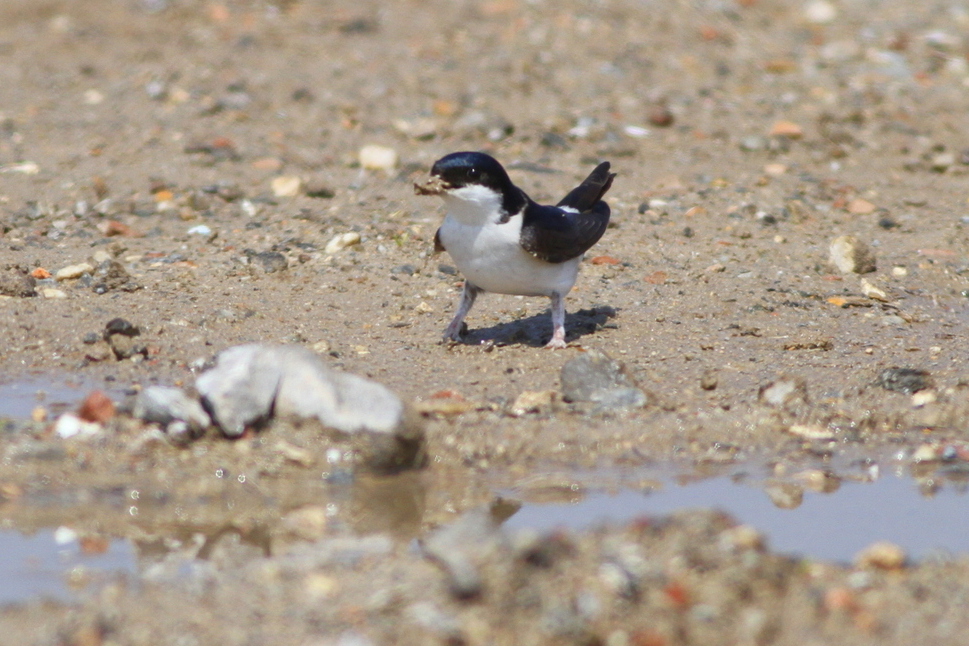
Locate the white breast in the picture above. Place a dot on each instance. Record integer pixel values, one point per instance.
(489, 254)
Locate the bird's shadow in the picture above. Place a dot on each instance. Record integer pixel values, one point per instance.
(536, 330)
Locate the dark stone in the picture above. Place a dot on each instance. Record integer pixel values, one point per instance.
(15, 281)
(904, 380)
(122, 327)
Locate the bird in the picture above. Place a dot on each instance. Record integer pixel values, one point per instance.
(504, 242)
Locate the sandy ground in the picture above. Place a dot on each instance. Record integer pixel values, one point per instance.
(213, 152)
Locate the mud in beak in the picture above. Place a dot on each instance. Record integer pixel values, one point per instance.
(433, 186)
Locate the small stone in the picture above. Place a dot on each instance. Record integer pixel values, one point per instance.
(753, 143)
(811, 432)
(286, 186)
(872, 292)
(17, 283)
(341, 242)
(942, 162)
(787, 129)
(660, 115)
(904, 380)
(444, 403)
(881, 555)
(743, 538)
(709, 380)
(532, 401)
(121, 326)
(860, 206)
(269, 262)
(73, 271)
(70, 425)
(374, 157)
(775, 169)
(899, 272)
(423, 308)
(851, 255)
(595, 377)
(50, 292)
(924, 398)
(784, 392)
(927, 453)
(820, 12)
(200, 230)
(307, 523)
(111, 275)
(785, 495)
(96, 407)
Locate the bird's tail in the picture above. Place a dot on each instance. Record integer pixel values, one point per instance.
(584, 196)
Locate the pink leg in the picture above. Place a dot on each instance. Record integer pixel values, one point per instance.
(468, 294)
(558, 322)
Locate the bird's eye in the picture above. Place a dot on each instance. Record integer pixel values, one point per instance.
(474, 173)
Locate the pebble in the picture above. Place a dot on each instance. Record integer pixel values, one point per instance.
(872, 292)
(96, 407)
(907, 381)
(463, 548)
(70, 425)
(811, 432)
(269, 262)
(374, 157)
(341, 242)
(200, 230)
(111, 275)
(163, 405)
(820, 12)
(881, 555)
(50, 292)
(17, 283)
(753, 143)
(286, 186)
(785, 495)
(532, 401)
(249, 384)
(787, 129)
(595, 377)
(851, 255)
(709, 380)
(942, 162)
(784, 391)
(860, 206)
(73, 271)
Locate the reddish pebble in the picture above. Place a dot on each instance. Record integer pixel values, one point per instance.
(604, 260)
(110, 228)
(96, 407)
(656, 278)
(677, 594)
(40, 273)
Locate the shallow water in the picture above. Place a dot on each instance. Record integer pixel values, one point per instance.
(53, 563)
(19, 399)
(829, 526)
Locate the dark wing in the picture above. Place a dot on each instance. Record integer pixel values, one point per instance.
(554, 234)
(584, 196)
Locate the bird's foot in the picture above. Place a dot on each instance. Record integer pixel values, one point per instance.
(454, 332)
(557, 342)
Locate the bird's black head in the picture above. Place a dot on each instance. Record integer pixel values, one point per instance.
(465, 168)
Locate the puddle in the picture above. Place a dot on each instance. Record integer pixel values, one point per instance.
(20, 398)
(54, 563)
(829, 526)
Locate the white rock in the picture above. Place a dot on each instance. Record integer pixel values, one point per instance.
(74, 271)
(69, 425)
(200, 230)
(51, 292)
(851, 256)
(872, 292)
(374, 157)
(251, 383)
(341, 242)
(287, 186)
(820, 12)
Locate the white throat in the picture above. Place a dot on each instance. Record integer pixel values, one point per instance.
(474, 204)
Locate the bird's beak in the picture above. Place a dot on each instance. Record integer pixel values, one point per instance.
(433, 186)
